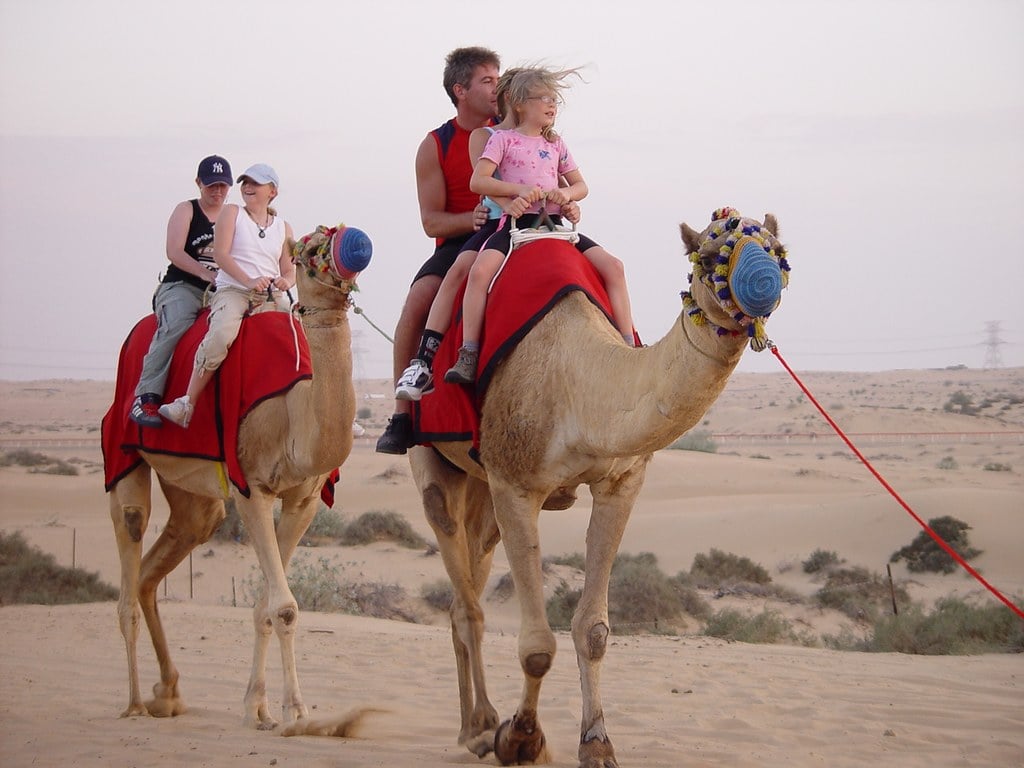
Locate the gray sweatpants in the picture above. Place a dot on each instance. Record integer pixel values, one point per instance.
(176, 306)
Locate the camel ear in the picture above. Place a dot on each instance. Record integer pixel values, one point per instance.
(771, 223)
(691, 238)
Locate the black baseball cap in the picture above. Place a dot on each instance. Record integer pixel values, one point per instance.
(214, 170)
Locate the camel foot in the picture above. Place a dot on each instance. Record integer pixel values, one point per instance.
(480, 745)
(136, 709)
(171, 707)
(597, 753)
(520, 741)
(560, 498)
(262, 722)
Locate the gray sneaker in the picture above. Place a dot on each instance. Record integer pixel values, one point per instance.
(464, 370)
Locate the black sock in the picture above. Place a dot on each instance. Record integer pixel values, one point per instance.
(429, 343)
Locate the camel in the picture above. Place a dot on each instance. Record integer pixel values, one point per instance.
(571, 405)
(287, 445)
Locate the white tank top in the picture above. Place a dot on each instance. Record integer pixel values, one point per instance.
(257, 256)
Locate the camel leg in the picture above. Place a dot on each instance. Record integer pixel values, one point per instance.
(129, 511)
(192, 521)
(277, 610)
(521, 739)
(613, 502)
(460, 513)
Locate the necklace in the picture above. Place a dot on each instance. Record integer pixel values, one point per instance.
(264, 228)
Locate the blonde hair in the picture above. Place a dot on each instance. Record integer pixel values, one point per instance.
(527, 80)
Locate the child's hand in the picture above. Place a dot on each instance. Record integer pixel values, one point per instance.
(517, 207)
(571, 212)
(558, 196)
(260, 283)
(531, 194)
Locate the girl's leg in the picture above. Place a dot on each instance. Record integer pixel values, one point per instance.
(440, 317)
(613, 273)
(475, 301)
(473, 305)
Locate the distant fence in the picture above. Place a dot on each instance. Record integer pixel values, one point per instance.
(803, 438)
(10, 442)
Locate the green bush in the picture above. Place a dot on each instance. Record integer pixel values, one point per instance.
(924, 554)
(953, 627)
(30, 576)
(766, 627)
(574, 560)
(381, 526)
(695, 440)
(719, 568)
(24, 458)
(561, 606)
(364, 412)
(820, 560)
(947, 462)
(326, 526)
(995, 466)
(640, 595)
(438, 594)
(859, 594)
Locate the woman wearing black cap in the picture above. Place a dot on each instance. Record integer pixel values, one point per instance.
(179, 297)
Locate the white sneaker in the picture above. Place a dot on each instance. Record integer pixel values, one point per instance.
(178, 411)
(416, 381)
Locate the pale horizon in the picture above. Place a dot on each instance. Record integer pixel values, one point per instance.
(885, 137)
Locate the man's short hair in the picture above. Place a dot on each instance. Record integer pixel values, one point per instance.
(460, 65)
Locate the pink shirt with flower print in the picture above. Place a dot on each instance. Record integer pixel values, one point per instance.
(531, 160)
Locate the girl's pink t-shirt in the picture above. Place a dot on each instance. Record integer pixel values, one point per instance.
(531, 160)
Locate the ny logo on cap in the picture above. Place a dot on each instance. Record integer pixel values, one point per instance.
(218, 168)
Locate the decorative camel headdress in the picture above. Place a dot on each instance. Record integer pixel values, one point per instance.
(746, 288)
(343, 252)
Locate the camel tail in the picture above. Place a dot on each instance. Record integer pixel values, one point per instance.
(346, 725)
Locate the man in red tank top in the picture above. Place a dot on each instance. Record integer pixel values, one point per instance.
(449, 211)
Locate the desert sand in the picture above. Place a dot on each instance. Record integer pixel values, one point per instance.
(780, 486)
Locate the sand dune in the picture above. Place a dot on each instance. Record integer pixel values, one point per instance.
(779, 487)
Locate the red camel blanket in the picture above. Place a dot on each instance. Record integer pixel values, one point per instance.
(534, 279)
(266, 360)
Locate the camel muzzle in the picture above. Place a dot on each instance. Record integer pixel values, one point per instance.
(755, 278)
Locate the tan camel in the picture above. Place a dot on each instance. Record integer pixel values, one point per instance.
(287, 446)
(572, 404)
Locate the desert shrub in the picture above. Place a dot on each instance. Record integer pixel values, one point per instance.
(947, 462)
(231, 528)
(695, 440)
(318, 585)
(24, 458)
(30, 576)
(924, 554)
(766, 627)
(690, 599)
(574, 560)
(994, 466)
(326, 525)
(640, 595)
(858, 593)
(561, 606)
(717, 568)
(37, 463)
(57, 467)
(381, 526)
(364, 412)
(960, 402)
(820, 560)
(953, 627)
(438, 594)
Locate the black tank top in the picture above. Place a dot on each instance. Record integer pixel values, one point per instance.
(198, 245)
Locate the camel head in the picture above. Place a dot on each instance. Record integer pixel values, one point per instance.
(328, 261)
(739, 271)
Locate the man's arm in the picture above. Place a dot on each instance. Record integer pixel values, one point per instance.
(433, 195)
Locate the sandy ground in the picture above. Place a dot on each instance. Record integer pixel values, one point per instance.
(780, 486)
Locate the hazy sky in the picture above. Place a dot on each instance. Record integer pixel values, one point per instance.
(886, 135)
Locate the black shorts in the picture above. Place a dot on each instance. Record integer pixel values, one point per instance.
(478, 238)
(500, 240)
(443, 258)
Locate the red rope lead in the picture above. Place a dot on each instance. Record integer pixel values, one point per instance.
(938, 539)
